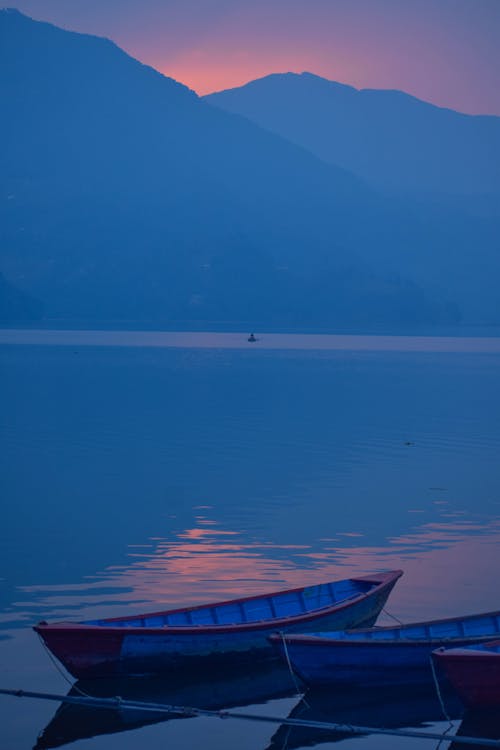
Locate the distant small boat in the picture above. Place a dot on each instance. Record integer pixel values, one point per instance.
(231, 631)
(382, 656)
(474, 672)
(252, 338)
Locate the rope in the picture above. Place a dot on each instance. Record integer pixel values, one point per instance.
(58, 668)
(298, 710)
(438, 691)
(189, 711)
(435, 679)
(393, 616)
(444, 738)
(292, 673)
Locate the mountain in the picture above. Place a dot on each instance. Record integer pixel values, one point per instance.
(125, 197)
(388, 138)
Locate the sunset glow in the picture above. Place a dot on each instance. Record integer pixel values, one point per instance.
(442, 51)
(205, 564)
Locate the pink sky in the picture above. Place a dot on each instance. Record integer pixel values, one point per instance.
(443, 51)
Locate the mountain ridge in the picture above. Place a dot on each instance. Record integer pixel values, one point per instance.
(390, 138)
(346, 87)
(129, 196)
(13, 15)
(123, 195)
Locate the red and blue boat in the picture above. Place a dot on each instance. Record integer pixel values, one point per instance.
(474, 672)
(381, 657)
(229, 631)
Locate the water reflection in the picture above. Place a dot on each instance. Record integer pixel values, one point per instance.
(208, 563)
(389, 709)
(137, 475)
(226, 689)
(394, 710)
(481, 724)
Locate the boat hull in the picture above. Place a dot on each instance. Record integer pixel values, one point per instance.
(473, 673)
(373, 659)
(89, 651)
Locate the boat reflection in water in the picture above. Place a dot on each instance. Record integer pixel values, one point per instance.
(228, 689)
(389, 709)
(481, 723)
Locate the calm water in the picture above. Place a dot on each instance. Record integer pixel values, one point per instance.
(140, 471)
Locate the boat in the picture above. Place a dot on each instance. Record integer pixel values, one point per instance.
(228, 631)
(474, 672)
(381, 656)
(252, 338)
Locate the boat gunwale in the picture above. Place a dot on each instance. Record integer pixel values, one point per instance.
(380, 582)
(319, 640)
(469, 652)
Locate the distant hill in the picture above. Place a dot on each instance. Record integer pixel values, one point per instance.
(389, 138)
(124, 196)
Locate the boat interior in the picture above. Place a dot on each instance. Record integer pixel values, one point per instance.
(474, 625)
(252, 609)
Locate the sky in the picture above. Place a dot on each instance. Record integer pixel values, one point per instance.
(444, 51)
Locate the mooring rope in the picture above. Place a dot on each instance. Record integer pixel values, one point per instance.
(438, 691)
(445, 738)
(299, 692)
(114, 703)
(58, 668)
(393, 616)
(435, 680)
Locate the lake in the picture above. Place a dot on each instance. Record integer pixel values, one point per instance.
(143, 470)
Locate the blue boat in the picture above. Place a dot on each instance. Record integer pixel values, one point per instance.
(230, 631)
(381, 656)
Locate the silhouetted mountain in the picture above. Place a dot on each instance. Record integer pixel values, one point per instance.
(123, 196)
(15, 305)
(389, 138)
(439, 171)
